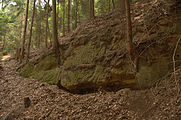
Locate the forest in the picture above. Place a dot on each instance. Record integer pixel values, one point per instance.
(69, 14)
(90, 60)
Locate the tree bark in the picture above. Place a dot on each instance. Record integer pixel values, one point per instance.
(129, 26)
(58, 16)
(50, 35)
(76, 13)
(63, 20)
(24, 33)
(69, 9)
(4, 43)
(103, 7)
(113, 4)
(46, 31)
(109, 5)
(121, 5)
(55, 35)
(2, 4)
(31, 29)
(39, 25)
(92, 15)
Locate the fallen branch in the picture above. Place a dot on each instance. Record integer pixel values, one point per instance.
(174, 64)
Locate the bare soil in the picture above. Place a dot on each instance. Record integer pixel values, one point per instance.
(50, 103)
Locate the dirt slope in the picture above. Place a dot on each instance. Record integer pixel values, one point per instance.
(156, 31)
(50, 103)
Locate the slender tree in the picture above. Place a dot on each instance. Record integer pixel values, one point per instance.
(2, 3)
(46, 31)
(113, 4)
(24, 33)
(63, 19)
(109, 5)
(50, 36)
(58, 15)
(76, 12)
(103, 6)
(31, 29)
(4, 43)
(121, 5)
(39, 31)
(92, 14)
(69, 9)
(129, 26)
(55, 34)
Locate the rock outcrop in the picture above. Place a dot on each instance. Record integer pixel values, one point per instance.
(95, 55)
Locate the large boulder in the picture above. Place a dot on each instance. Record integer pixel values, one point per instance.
(95, 55)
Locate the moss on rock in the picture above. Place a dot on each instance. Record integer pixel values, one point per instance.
(49, 76)
(96, 55)
(82, 55)
(45, 71)
(48, 63)
(71, 78)
(27, 70)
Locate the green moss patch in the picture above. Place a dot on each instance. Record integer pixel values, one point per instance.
(47, 63)
(45, 71)
(70, 78)
(83, 55)
(27, 70)
(49, 76)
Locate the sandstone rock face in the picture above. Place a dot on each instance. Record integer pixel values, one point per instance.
(95, 55)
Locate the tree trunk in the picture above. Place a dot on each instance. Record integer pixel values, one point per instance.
(109, 5)
(76, 13)
(113, 4)
(46, 31)
(17, 49)
(2, 4)
(55, 35)
(103, 7)
(63, 20)
(92, 9)
(60, 19)
(69, 8)
(17, 53)
(58, 16)
(122, 5)
(24, 33)
(31, 29)
(50, 36)
(39, 25)
(129, 26)
(4, 43)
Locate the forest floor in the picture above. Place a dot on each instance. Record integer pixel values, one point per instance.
(50, 103)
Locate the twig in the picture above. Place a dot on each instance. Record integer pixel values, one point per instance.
(174, 64)
(146, 48)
